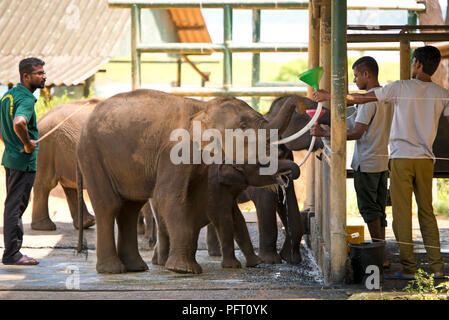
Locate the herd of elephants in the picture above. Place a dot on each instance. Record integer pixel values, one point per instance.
(119, 150)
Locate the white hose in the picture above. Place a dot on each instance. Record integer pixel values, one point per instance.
(303, 130)
(312, 143)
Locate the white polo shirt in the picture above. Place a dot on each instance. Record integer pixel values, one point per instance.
(418, 106)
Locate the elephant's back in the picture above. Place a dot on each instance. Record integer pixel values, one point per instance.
(141, 112)
(145, 104)
(77, 113)
(57, 152)
(125, 135)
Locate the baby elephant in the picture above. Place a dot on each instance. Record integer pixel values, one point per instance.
(225, 183)
(56, 162)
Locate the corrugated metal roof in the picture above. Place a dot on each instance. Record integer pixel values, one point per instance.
(190, 25)
(74, 38)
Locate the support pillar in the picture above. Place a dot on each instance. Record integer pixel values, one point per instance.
(135, 40)
(322, 250)
(227, 38)
(338, 143)
(404, 52)
(314, 61)
(255, 78)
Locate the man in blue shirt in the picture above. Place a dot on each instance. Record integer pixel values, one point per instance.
(19, 132)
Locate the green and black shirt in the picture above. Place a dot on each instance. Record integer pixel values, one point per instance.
(18, 101)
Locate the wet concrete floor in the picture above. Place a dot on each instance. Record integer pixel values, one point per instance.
(62, 274)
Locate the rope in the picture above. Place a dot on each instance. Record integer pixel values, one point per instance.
(387, 156)
(58, 125)
(416, 98)
(356, 235)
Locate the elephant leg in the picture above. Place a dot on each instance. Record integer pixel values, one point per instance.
(265, 203)
(291, 219)
(40, 219)
(151, 232)
(223, 223)
(213, 245)
(72, 200)
(183, 244)
(150, 224)
(107, 258)
(183, 222)
(140, 223)
(107, 206)
(243, 239)
(127, 245)
(162, 247)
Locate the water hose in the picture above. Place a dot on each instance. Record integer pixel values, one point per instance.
(303, 130)
(58, 125)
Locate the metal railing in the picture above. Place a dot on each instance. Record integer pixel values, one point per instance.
(228, 47)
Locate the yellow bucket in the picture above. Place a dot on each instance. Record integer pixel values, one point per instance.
(355, 235)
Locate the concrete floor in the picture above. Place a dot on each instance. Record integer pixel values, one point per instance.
(62, 274)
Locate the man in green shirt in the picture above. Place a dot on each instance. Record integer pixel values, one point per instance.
(19, 132)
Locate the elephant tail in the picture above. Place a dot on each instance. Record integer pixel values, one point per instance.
(82, 243)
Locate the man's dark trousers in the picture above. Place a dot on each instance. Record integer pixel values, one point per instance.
(18, 189)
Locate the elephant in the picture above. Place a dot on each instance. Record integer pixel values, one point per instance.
(224, 184)
(268, 202)
(139, 124)
(56, 162)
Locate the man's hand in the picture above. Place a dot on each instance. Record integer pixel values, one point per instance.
(29, 148)
(321, 95)
(21, 129)
(317, 131)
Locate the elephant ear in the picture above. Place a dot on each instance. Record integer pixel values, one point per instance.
(200, 117)
(198, 123)
(230, 175)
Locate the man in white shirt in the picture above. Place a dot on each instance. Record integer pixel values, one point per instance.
(370, 159)
(418, 105)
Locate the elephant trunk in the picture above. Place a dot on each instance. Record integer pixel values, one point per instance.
(289, 168)
(282, 119)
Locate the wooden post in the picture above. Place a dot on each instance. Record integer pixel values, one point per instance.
(256, 56)
(87, 85)
(135, 40)
(314, 61)
(404, 47)
(178, 74)
(314, 39)
(338, 143)
(325, 45)
(325, 62)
